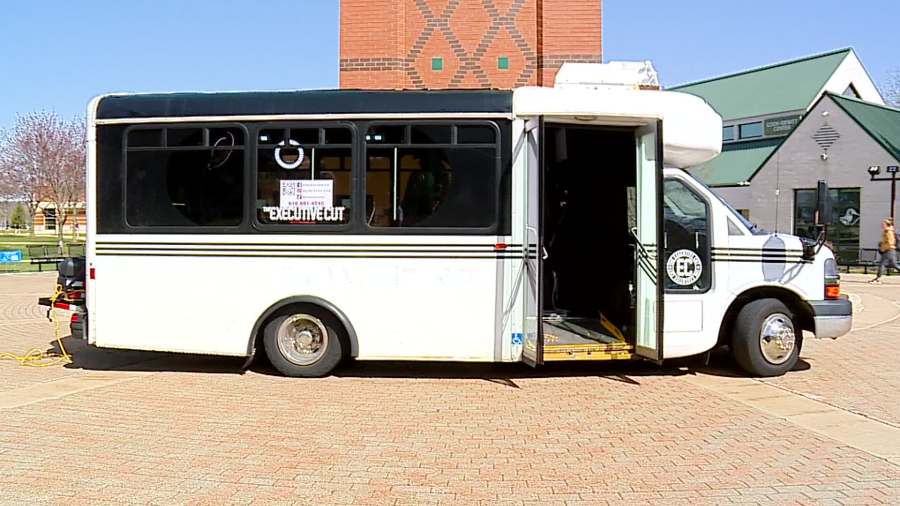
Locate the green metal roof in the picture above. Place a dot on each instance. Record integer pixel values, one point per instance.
(880, 122)
(782, 87)
(737, 163)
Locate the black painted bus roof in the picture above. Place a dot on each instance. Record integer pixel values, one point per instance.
(165, 105)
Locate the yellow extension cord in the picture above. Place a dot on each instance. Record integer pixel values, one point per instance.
(37, 358)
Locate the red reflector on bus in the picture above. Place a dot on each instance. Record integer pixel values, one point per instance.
(92, 272)
(832, 291)
(500, 245)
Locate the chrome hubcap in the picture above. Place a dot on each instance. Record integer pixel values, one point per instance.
(302, 339)
(777, 339)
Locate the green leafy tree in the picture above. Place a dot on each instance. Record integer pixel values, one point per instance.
(19, 218)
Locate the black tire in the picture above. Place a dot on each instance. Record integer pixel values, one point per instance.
(748, 340)
(313, 320)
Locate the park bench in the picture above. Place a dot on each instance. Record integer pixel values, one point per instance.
(868, 257)
(41, 254)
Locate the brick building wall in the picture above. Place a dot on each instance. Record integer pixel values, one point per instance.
(46, 219)
(434, 44)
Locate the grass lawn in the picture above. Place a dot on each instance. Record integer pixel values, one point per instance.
(9, 242)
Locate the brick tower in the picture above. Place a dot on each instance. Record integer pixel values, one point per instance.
(435, 44)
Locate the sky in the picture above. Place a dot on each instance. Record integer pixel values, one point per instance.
(55, 56)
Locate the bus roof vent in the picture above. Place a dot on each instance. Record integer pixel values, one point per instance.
(636, 75)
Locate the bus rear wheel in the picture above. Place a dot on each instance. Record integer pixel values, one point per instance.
(766, 341)
(304, 342)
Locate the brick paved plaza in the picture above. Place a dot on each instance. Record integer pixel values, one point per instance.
(130, 427)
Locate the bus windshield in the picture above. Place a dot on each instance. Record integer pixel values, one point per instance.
(752, 227)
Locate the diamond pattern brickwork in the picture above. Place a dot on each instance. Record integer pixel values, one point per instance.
(391, 44)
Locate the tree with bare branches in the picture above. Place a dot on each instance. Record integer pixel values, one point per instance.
(42, 159)
(892, 88)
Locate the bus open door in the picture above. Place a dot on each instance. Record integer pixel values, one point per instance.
(648, 234)
(533, 345)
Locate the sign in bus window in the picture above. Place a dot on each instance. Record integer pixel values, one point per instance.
(303, 182)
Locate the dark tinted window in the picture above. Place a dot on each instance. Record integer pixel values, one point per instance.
(686, 238)
(145, 138)
(386, 134)
(184, 137)
(338, 136)
(844, 223)
(476, 134)
(198, 180)
(430, 134)
(301, 181)
(413, 185)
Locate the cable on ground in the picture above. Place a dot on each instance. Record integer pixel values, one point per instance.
(38, 358)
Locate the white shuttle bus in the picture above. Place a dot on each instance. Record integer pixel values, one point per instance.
(534, 225)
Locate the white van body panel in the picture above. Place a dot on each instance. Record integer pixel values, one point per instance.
(394, 302)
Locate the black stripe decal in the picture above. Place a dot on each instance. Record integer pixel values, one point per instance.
(247, 255)
(648, 273)
(311, 244)
(300, 250)
(647, 267)
(760, 261)
(757, 250)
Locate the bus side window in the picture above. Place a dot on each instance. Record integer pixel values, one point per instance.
(687, 239)
(304, 175)
(184, 177)
(434, 180)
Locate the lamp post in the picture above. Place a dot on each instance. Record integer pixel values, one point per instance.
(874, 170)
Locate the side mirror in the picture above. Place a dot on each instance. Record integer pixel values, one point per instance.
(823, 204)
(809, 250)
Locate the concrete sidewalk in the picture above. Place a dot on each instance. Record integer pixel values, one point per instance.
(130, 427)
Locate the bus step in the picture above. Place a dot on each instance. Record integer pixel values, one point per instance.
(563, 344)
(595, 351)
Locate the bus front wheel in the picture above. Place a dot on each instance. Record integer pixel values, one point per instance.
(304, 342)
(766, 341)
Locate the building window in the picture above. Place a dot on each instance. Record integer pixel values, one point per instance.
(304, 175)
(184, 176)
(843, 232)
(751, 130)
(432, 176)
(728, 133)
(49, 218)
(503, 63)
(437, 64)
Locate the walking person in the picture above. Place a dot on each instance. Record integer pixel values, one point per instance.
(888, 248)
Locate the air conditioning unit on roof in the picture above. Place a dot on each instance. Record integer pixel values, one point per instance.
(614, 74)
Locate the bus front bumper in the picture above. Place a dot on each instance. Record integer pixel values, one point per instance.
(832, 318)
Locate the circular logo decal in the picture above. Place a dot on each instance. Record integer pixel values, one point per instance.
(292, 157)
(684, 267)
